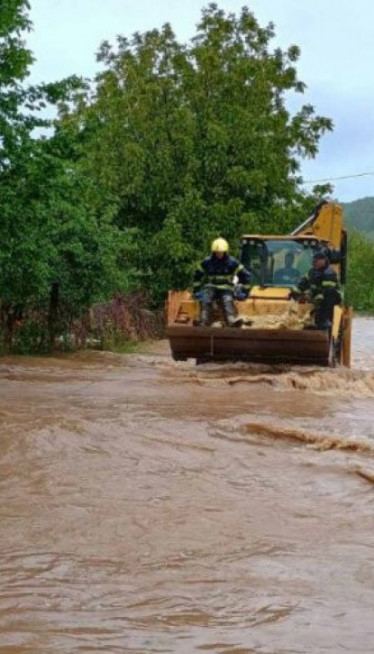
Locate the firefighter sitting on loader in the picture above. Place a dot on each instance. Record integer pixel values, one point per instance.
(322, 285)
(214, 280)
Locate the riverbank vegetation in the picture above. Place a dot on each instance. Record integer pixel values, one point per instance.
(359, 216)
(120, 195)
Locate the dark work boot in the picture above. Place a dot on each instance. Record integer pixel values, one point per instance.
(205, 315)
(227, 300)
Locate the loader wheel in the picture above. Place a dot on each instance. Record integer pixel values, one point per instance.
(201, 360)
(341, 344)
(334, 356)
(178, 357)
(337, 345)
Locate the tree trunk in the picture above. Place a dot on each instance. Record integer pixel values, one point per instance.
(53, 313)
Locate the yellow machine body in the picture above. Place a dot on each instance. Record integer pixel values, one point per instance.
(275, 329)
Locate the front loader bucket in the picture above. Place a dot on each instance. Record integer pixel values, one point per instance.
(256, 345)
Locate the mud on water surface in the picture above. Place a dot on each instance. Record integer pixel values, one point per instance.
(151, 506)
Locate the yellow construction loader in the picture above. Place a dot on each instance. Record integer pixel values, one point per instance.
(275, 329)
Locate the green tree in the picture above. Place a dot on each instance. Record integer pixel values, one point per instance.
(196, 140)
(58, 246)
(360, 288)
(359, 215)
(15, 60)
(59, 250)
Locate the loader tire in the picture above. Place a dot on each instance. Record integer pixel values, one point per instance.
(334, 355)
(178, 357)
(201, 360)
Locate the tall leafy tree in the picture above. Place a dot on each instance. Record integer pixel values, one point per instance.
(15, 126)
(360, 290)
(15, 60)
(60, 251)
(195, 140)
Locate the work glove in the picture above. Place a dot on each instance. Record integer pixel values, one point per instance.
(300, 298)
(294, 295)
(240, 293)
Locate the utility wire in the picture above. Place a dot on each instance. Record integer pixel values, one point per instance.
(334, 179)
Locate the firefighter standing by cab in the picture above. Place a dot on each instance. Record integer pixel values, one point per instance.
(322, 285)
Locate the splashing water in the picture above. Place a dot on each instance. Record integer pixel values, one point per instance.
(149, 506)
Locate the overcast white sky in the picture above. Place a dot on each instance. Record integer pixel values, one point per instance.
(336, 38)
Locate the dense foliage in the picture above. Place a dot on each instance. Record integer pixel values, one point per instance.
(359, 220)
(59, 253)
(195, 140)
(360, 287)
(359, 216)
(171, 145)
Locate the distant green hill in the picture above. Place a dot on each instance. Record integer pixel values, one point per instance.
(359, 215)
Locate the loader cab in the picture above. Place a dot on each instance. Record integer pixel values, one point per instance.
(277, 262)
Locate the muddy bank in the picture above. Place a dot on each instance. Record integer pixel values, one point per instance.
(148, 506)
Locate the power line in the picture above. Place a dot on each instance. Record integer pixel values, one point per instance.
(334, 179)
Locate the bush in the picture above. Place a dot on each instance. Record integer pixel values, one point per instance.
(360, 287)
(125, 319)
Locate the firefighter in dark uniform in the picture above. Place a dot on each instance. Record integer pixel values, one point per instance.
(214, 280)
(322, 285)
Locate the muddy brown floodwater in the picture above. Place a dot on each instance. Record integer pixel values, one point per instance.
(151, 506)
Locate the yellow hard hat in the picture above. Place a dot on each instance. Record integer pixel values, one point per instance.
(220, 245)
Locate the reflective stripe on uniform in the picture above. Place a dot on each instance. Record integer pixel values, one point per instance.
(219, 279)
(327, 284)
(220, 287)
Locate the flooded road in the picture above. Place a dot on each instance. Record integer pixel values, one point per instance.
(149, 506)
